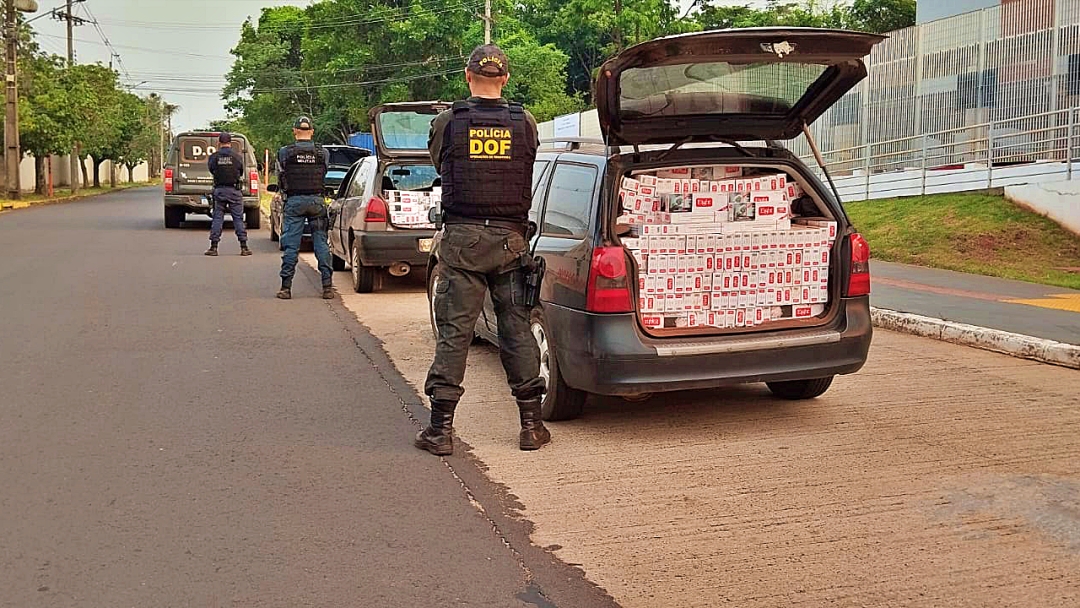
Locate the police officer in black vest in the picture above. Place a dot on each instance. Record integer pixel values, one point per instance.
(484, 149)
(301, 176)
(227, 167)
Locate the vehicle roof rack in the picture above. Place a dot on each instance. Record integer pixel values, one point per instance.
(575, 143)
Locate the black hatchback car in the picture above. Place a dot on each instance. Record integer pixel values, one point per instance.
(666, 105)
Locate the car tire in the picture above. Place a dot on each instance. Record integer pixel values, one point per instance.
(174, 217)
(363, 277)
(252, 218)
(561, 401)
(798, 390)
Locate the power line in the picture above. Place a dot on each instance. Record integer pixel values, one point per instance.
(390, 14)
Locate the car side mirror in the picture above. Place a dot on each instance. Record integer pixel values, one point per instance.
(273, 188)
(433, 215)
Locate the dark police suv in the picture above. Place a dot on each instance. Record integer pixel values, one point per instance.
(188, 182)
(704, 99)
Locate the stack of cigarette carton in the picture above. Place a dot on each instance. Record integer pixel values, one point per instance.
(732, 259)
(410, 209)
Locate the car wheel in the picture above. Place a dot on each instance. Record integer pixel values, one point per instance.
(174, 217)
(797, 390)
(253, 218)
(363, 276)
(432, 277)
(561, 401)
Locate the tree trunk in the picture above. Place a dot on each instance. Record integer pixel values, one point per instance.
(39, 175)
(112, 173)
(131, 174)
(97, 172)
(85, 174)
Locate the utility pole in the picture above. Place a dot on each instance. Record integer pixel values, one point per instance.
(618, 26)
(72, 21)
(76, 177)
(12, 152)
(487, 21)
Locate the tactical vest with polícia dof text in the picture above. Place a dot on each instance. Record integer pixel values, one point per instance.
(487, 170)
(227, 171)
(304, 169)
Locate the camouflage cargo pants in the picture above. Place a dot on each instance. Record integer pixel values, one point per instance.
(472, 261)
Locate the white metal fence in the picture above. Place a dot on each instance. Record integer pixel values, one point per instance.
(1038, 148)
(1002, 76)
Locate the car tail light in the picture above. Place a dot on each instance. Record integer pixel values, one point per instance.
(168, 180)
(859, 276)
(376, 210)
(609, 287)
(253, 177)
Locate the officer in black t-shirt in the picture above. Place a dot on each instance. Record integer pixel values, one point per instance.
(302, 170)
(484, 149)
(227, 167)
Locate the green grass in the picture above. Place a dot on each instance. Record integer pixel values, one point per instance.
(979, 233)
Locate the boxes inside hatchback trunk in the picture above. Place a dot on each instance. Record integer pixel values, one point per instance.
(409, 209)
(719, 247)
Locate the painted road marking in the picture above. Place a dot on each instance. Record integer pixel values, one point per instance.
(1065, 301)
(1068, 302)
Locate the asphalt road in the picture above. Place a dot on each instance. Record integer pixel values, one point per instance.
(938, 475)
(172, 435)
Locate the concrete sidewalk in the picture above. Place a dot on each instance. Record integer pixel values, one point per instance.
(1051, 313)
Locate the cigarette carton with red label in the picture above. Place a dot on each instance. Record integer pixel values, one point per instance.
(646, 179)
(630, 184)
(807, 311)
(674, 173)
(652, 321)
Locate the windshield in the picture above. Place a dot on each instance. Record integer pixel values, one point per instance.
(345, 157)
(199, 149)
(405, 130)
(410, 177)
(715, 88)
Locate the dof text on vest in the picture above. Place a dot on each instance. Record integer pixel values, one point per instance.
(227, 170)
(305, 170)
(487, 170)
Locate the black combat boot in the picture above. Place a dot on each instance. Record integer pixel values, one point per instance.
(244, 249)
(328, 292)
(438, 438)
(212, 251)
(534, 435)
(285, 293)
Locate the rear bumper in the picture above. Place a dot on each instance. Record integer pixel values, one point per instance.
(392, 246)
(194, 202)
(606, 354)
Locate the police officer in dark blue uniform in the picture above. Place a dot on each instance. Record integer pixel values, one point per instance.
(227, 167)
(302, 170)
(484, 149)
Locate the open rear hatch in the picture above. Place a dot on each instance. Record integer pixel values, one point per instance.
(409, 183)
(719, 247)
(733, 85)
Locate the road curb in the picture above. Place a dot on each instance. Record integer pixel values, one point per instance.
(1016, 345)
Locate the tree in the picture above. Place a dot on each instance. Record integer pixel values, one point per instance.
(47, 122)
(882, 16)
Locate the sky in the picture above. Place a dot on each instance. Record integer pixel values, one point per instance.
(177, 48)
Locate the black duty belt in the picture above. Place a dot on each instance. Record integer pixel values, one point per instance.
(517, 227)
